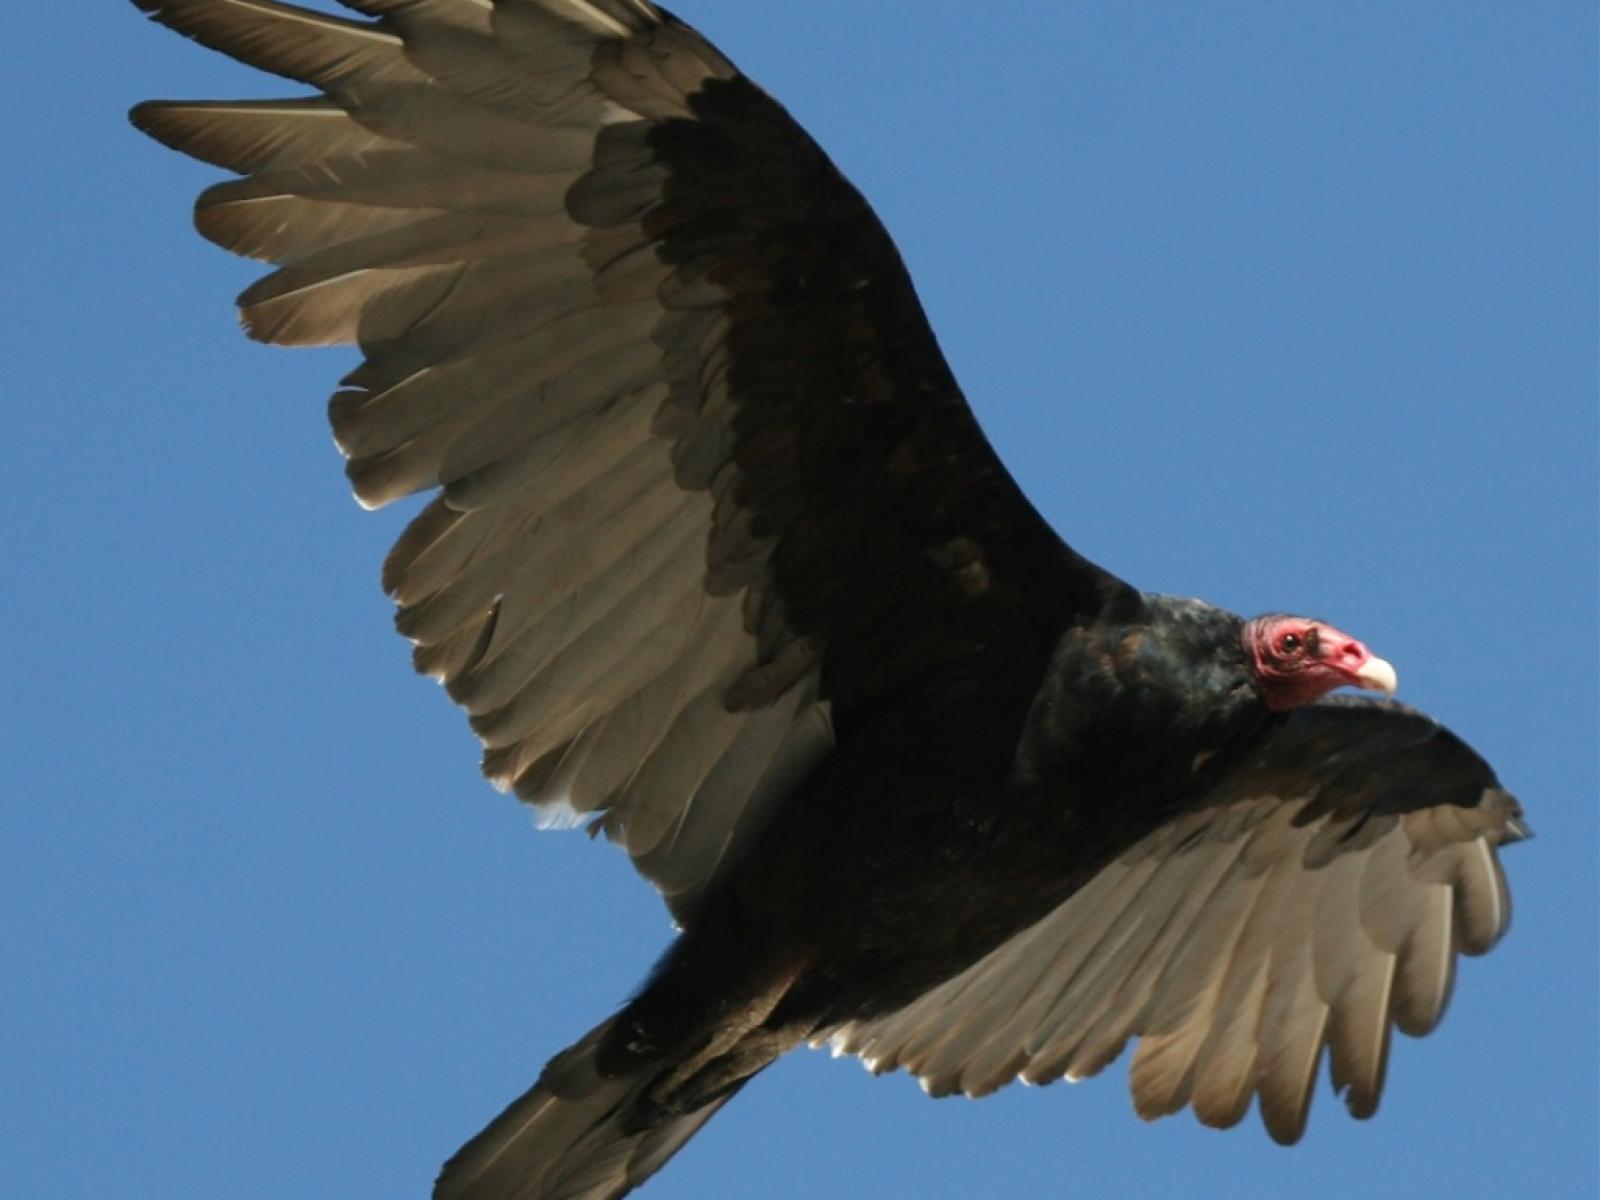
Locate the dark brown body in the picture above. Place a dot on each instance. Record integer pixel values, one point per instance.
(938, 829)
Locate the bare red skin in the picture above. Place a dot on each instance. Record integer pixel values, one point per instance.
(1298, 660)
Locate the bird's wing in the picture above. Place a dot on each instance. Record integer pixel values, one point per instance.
(708, 487)
(1316, 896)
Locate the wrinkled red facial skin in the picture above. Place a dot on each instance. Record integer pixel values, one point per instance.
(1297, 660)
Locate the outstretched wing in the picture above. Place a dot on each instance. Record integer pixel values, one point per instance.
(708, 488)
(1315, 897)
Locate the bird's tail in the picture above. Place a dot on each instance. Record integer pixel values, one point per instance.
(575, 1135)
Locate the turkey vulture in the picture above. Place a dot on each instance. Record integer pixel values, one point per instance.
(721, 563)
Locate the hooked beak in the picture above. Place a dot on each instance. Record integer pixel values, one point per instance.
(1359, 666)
(1376, 675)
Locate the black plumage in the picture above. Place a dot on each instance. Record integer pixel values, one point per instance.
(721, 560)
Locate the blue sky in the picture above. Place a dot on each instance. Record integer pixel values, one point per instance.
(1286, 306)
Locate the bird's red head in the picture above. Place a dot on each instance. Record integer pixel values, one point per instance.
(1296, 660)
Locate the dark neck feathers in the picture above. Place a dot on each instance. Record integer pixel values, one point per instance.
(1134, 703)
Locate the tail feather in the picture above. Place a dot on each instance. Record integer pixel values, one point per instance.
(566, 1138)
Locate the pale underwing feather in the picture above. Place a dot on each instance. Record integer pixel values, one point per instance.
(259, 135)
(1238, 942)
(465, 203)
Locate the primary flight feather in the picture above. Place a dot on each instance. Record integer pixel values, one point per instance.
(720, 561)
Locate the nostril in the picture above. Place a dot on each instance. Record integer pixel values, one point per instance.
(1353, 653)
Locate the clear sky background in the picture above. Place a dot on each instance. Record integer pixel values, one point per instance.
(1284, 305)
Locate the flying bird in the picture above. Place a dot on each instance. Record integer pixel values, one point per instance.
(719, 562)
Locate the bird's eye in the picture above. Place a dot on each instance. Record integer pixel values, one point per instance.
(1290, 643)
